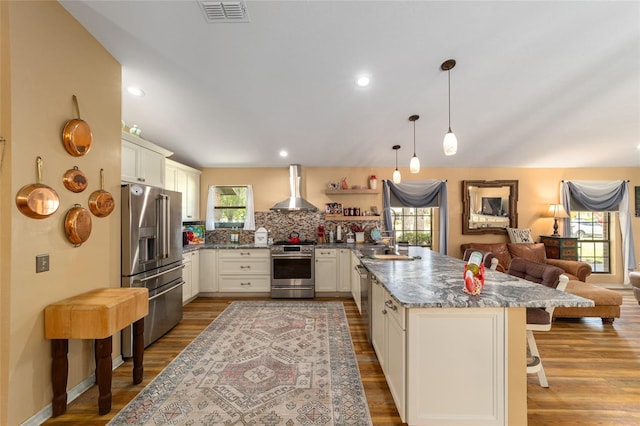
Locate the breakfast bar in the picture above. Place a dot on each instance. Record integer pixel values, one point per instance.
(451, 358)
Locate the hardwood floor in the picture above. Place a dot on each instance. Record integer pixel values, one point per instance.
(593, 370)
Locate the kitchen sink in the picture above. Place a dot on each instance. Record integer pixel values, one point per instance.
(376, 250)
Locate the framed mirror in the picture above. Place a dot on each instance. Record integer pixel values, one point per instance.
(489, 207)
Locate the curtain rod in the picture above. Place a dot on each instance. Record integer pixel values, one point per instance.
(624, 180)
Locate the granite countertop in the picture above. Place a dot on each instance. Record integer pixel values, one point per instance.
(192, 247)
(435, 281)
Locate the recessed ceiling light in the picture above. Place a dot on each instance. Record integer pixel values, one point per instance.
(283, 153)
(135, 91)
(363, 81)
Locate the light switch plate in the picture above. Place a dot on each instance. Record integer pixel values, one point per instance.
(42, 263)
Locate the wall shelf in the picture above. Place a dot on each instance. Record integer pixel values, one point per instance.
(351, 191)
(341, 218)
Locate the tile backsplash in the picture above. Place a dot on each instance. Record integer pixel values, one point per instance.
(281, 224)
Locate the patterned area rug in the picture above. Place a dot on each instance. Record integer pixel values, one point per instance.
(260, 363)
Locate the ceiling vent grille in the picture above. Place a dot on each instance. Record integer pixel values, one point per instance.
(225, 11)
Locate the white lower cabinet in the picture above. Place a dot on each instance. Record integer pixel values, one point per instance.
(355, 281)
(244, 270)
(190, 275)
(208, 270)
(456, 367)
(344, 270)
(389, 341)
(326, 270)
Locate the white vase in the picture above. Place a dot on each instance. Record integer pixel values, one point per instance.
(373, 183)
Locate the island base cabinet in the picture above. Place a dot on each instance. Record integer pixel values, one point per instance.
(458, 364)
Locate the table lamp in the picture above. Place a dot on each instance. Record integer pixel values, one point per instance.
(556, 211)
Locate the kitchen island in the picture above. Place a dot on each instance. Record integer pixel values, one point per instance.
(451, 358)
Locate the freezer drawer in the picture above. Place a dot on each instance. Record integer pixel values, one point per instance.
(165, 312)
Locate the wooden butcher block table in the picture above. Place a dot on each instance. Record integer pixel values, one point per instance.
(98, 314)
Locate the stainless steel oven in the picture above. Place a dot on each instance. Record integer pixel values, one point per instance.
(292, 271)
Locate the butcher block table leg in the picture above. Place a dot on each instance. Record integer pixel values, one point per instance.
(103, 374)
(59, 373)
(138, 350)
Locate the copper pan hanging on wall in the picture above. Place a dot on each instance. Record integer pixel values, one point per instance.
(101, 202)
(75, 180)
(37, 200)
(76, 135)
(77, 225)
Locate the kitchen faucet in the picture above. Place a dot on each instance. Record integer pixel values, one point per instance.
(392, 233)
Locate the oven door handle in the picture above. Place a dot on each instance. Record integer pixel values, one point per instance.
(288, 256)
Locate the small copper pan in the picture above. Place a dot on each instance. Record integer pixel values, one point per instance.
(101, 202)
(76, 135)
(37, 200)
(75, 180)
(77, 225)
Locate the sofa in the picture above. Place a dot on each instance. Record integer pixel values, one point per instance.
(607, 302)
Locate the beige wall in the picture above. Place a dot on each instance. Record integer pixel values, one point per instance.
(49, 57)
(537, 188)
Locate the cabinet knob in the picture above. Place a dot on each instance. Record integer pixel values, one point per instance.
(249, 283)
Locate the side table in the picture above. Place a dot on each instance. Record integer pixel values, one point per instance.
(560, 247)
(97, 314)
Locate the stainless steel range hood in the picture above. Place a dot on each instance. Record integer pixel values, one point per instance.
(295, 201)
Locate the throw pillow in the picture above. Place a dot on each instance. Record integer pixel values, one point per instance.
(534, 252)
(520, 235)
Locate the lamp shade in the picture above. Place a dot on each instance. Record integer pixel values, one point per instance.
(414, 165)
(396, 176)
(557, 211)
(450, 143)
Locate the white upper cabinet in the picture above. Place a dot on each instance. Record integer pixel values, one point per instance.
(186, 180)
(142, 161)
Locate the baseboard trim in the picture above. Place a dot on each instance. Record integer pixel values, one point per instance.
(46, 413)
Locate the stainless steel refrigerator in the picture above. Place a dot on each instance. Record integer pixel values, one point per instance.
(152, 257)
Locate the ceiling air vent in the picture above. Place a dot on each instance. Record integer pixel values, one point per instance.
(225, 11)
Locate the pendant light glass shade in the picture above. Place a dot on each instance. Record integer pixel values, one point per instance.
(450, 142)
(414, 165)
(396, 174)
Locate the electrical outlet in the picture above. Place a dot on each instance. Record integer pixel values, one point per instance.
(42, 263)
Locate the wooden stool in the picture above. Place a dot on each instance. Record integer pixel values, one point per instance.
(98, 314)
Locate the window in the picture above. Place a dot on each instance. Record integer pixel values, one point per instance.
(592, 231)
(230, 207)
(412, 225)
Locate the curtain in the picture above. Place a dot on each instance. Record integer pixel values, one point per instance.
(249, 219)
(428, 193)
(603, 196)
(210, 221)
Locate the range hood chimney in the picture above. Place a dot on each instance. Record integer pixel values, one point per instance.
(295, 202)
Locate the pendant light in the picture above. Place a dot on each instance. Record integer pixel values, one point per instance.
(414, 165)
(396, 174)
(450, 143)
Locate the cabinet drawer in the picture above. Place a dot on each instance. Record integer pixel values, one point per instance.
(326, 252)
(550, 242)
(243, 266)
(243, 254)
(394, 311)
(570, 243)
(245, 283)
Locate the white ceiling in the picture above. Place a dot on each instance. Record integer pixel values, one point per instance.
(537, 84)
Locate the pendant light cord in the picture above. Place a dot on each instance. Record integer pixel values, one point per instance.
(449, 78)
(414, 138)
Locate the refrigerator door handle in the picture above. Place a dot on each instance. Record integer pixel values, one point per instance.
(167, 291)
(163, 225)
(150, 277)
